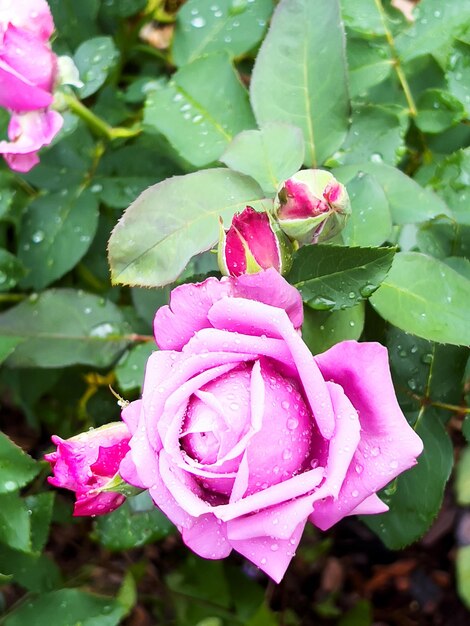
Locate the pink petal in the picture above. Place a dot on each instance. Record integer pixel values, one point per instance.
(207, 537)
(130, 415)
(17, 93)
(388, 445)
(255, 318)
(29, 57)
(33, 15)
(370, 506)
(270, 554)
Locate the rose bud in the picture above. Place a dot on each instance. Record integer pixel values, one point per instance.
(253, 242)
(312, 206)
(87, 464)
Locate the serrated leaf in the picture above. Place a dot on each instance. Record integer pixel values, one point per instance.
(56, 232)
(335, 277)
(451, 182)
(436, 25)
(134, 524)
(37, 573)
(203, 28)
(443, 239)
(94, 60)
(376, 134)
(415, 497)
(270, 155)
(17, 468)
(321, 329)
(201, 109)
(15, 525)
(300, 75)
(362, 16)
(39, 508)
(409, 202)
(67, 607)
(438, 110)
(425, 297)
(458, 73)
(369, 64)
(174, 220)
(62, 327)
(370, 222)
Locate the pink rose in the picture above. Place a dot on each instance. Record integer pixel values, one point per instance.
(28, 70)
(87, 463)
(242, 435)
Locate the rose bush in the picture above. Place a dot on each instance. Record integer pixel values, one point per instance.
(28, 70)
(242, 435)
(87, 463)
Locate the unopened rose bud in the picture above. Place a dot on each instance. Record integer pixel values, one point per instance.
(312, 206)
(254, 242)
(88, 464)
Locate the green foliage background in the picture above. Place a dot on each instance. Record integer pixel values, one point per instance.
(228, 110)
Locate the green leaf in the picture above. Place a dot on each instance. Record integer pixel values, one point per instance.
(451, 181)
(74, 21)
(415, 497)
(426, 298)
(376, 134)
(408, 201)
(94, 59)
(56, 232)
(40, 508)
(462, 478)
(359, 615)
(124, 8)
(11, 270)
(370, 223)
(67, 607)
(119, 191)
(136, 523)
(462, 570)
(438, 110)
(201, 109)
(264, 616)
(369, 64)
(131, 367)
(7, 346)
(202, 28)
(321, 329)
(270, 155)
(458, 74)
(174, 220)
(444, 239)
(335, 277)
(362, 16)
(436, 25)
(300, 75)
(62, 327)
(34, 572)
(15, 524)
(17, 468)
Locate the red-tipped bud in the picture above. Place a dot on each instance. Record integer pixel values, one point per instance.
(253, 242)
(312, 206)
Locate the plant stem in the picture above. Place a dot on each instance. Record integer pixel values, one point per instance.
(396, 61)
(12, 297)
(96, 124)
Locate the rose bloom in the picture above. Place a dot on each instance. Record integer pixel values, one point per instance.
(87, 463)
(28, 70)
(242, 436)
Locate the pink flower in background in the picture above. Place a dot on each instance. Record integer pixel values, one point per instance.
(87, 463)
(242, 436)
(28, 70)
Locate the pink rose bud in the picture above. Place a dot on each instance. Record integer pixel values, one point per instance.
(312, 206)
(253, 242)
(87, 465)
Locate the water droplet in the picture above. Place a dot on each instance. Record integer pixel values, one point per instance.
(38, 236)
(96, 188)
(104, 330)
(355, 493)
(292, 423)
(10, 485)
(358, 468)
(376, 157)
(234, 406)
(412, 384)
(285, 404)
(198, 22)
(321, 303)
(314, 463)
(393, 464)
(351, 295)
(375, 451)
(287, 454)
(367, 290)
(274, 547)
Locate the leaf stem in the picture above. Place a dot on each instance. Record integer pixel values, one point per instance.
(451, 407)
(396, 61)
(12, 297)
(96, 124)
